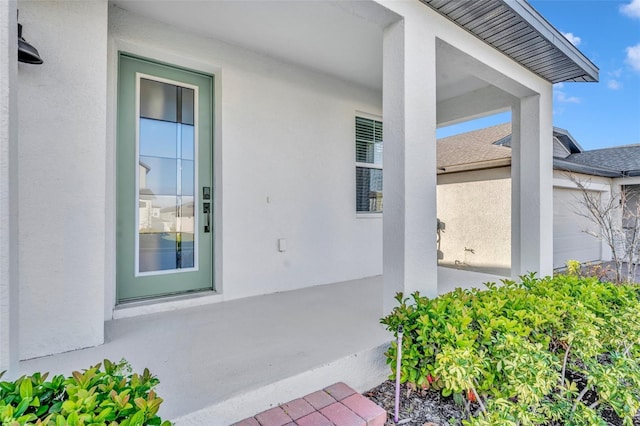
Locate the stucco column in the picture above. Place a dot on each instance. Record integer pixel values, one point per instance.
(409, 114)
(62, 179)
(8, 188)
(532, 186)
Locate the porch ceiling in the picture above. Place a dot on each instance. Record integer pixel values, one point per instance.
(329, 36)
(339, 38)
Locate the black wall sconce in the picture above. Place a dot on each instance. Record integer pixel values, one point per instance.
(26, 52)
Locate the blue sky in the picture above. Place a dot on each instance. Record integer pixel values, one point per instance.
(603, 114)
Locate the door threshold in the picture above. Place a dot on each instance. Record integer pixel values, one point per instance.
(136, 308)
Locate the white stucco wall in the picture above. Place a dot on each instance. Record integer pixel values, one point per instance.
(62, 129)
(475, 207)
(9, 302)
(284, 163)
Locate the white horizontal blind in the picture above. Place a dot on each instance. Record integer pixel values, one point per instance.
(368, 165)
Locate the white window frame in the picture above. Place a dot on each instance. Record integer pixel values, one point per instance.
(364, 214)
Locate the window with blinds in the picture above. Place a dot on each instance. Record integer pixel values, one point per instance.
(368, 165)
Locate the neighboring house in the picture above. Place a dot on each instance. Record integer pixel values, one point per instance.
(247, 111)
(474, 175)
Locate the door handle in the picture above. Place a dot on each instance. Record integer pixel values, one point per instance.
(207, 216)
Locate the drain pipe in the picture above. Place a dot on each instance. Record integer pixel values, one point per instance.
(398, 366)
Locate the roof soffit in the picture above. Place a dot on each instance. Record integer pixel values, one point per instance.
(517, 30)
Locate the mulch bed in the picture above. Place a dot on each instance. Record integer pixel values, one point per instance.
(430, 408)
(416, 408)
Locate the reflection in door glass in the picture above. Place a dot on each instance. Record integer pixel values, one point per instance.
(166, 177)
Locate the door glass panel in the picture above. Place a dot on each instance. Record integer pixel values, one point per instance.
(158, 100)
(158, 138)
(187, 105)
(166, 178)
(187, 148)
(159, 175)
(187, 177)
(186, 234)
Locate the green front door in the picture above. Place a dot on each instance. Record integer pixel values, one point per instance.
(164, 180)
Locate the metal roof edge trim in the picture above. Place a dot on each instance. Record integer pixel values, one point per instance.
(565, 133)
(573, 145)
(550, 33)
(478, 165)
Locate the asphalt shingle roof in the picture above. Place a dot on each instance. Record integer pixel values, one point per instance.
(473, 147)
(479, 149)
(620, 158)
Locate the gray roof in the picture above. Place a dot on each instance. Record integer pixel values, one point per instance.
(516, 29)
(490, 147)
(622, 159)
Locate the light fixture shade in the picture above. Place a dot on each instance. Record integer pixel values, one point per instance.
(26, 52)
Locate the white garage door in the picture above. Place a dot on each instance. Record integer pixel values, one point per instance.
(569, 240)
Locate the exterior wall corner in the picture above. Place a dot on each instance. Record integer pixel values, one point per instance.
(9, 297)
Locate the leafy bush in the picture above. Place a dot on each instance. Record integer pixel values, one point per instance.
(601, 271)
(93, 398)
(561, 350)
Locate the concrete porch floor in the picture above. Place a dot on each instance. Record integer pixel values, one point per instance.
(223, 362)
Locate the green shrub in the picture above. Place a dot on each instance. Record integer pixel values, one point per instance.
(561, 350)
(574, 267)
(93, 398)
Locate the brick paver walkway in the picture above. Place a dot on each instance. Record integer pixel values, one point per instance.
(337, 405)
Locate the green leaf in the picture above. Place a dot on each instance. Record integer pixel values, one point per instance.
(7, 387)
(6, 411)
(141, 403)
(103, 414)
(137, 419)
(26, 388)
(26, 418)
(42, 410)
(35, 402)
(73, 420)
(22, 407)
(56, 407)
(68, 406)
(108, 366)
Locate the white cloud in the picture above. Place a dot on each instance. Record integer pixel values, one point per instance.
(633, 57)
(562, 97)
(616, 73)
(632, 9)
(574, 39)
(614, 84)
